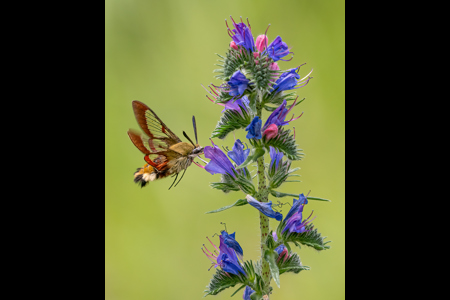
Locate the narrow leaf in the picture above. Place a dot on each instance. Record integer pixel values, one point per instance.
(239, 202)
(240, 288)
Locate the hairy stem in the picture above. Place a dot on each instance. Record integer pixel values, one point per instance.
(262, 196)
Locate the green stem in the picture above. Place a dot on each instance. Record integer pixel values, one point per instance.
(262, 196)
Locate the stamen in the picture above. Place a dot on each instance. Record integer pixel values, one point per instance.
(213, 244)
(207, 90)
(306, 75)
(249, 25)
(213, 90)
(211, 99)
(298, 69)
(292, 106)
(304, 84)
(212, 141)
(234, 23)
(208, 251)
(308, 193)
(292, 119)
(211, 259)
(294, 132)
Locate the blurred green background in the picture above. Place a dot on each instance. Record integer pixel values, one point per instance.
(159, 52)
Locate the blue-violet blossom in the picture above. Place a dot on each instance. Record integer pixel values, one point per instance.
(254, 129)
(294, 222)
(288, 80)
(226, 258)
(230, 241)
(247, 292)
(242, 35)
(275, 157)
(238, 104)
(265, 208)
(279, 114)
(238, 154)
(219, 162)
(278, 49)
(237, 84)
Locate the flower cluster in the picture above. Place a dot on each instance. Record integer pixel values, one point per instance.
(252, 81)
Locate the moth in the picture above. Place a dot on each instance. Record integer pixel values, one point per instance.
(165, 153)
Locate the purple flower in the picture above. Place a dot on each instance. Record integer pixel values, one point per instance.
(254, 129)
(278, 49)
(238, 104)
(247, 292)
(294, 222)
(238, 154)
(242, 35)
(297, 204)
(265, 208)
(275, 157)
(229, 240)
(237, 84)
(226, 258)
(279, 114)
(288, 80)
(219, 162)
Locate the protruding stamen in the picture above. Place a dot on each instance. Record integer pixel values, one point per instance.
(298, 69)
(249, 25)
(213, 244)
(292, 119)
(306, 75)
(294, 132)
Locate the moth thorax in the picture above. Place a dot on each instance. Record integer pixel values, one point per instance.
(183, 148)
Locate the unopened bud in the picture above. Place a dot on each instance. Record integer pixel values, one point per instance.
(271, 131)
(233, 45)
(261, 42)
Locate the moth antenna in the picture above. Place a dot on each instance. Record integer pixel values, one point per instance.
(181, 177)
(186, 136)
(173, 181)
(195, 129)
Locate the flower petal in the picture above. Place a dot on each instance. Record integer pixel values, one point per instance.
(265, 208)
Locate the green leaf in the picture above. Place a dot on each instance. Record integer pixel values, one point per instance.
(231, 120)
(280, 195)
(239, 202)
(310, 238)
(222, 280)
(254, 154)
(317, 198)
(270, 256)
(240, 288)
(291, 264)
(284, 143)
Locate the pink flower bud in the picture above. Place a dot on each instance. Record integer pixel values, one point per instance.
(261, 42)
(255, 54)
(233, 45)
(274, 67)
(271, 131)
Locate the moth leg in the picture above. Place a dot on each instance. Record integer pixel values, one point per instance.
(174, 181)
